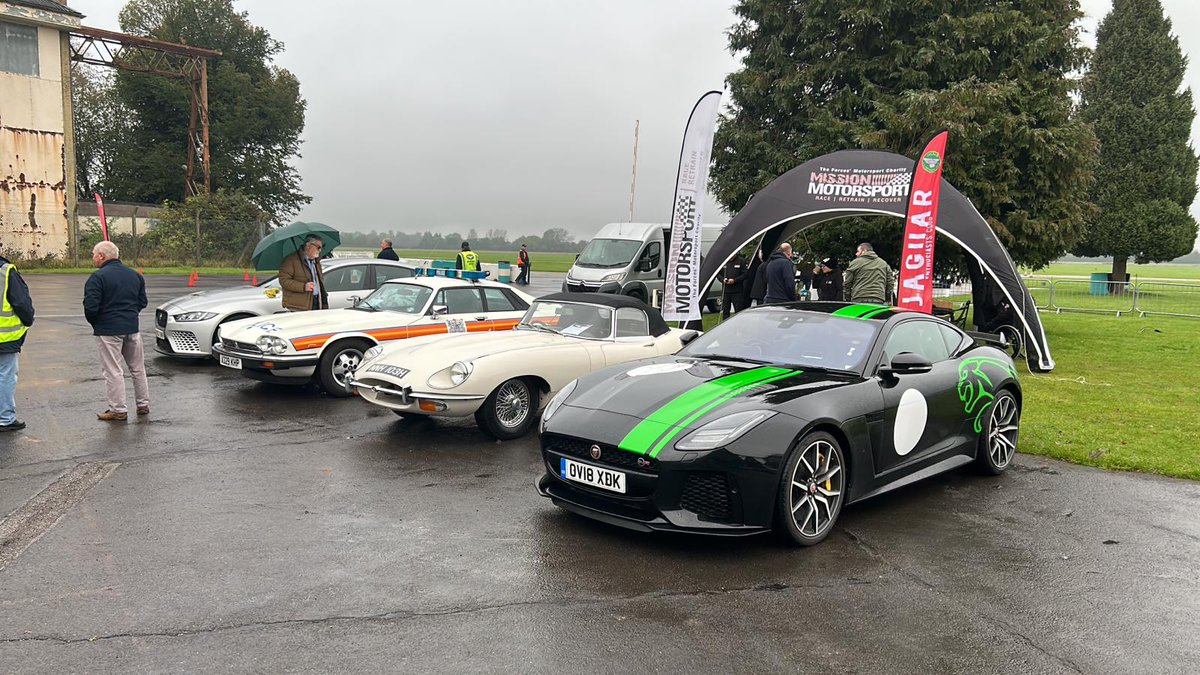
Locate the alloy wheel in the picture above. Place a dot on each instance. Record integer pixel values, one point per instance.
(815, 493)
(1002, 432)
(345, 363)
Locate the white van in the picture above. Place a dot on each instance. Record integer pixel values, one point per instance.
(630, 259)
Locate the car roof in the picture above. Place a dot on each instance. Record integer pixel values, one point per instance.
(848, 310)
(446, 282)
(615, 301)
(340, 262)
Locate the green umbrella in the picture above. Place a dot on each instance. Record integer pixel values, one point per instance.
(285, 241)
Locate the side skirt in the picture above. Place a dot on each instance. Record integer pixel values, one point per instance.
(948, 464)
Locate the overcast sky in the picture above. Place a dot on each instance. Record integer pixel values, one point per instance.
(516, 115)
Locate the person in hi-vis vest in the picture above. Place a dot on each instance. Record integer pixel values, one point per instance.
(467, 260)
(16, 316)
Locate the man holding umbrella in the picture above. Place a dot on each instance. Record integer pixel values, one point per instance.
(301, 278)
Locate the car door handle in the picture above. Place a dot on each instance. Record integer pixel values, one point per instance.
(481, 318)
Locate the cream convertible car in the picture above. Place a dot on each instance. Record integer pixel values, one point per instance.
(502, 377)
(298, 347)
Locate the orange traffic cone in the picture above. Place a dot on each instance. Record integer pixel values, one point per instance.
(191, 281)
(140, 270)
(245, 274)
(254, 280)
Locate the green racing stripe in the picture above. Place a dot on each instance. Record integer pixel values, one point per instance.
(652, 434)
(861, 311)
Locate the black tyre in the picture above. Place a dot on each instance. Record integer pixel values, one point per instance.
(509, 411)
(812, 490)
(998, 439)
(339, 360)
(713, 306)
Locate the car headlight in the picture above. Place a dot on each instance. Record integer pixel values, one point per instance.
(195, 316)
(269, 344)
(613, 277)
(373, 352)
(556, 402)
(723, 431)
(449, 378)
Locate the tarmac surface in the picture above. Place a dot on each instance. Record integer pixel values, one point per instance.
(249, 527)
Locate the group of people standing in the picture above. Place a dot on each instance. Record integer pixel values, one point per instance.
(772, 279)
(467, 259)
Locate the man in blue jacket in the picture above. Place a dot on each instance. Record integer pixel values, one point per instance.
(16, 316)
(781, 275)
(112, 298)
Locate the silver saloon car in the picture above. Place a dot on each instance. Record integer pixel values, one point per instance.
(186, 326)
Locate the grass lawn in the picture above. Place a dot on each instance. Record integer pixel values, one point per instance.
(1120, 397)
(542, 262)
(212, 271)
(1150, 271)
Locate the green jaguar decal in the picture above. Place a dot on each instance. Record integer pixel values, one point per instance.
(975, 388)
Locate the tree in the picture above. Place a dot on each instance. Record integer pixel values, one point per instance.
(228, 228)
(828, 75)
(1134, 99)
(255, 109)
(101, 126)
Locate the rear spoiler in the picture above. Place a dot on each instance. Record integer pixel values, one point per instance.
(993, 339)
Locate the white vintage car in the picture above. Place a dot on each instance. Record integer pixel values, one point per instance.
(324, 345)
(501, 378)
(186, 326)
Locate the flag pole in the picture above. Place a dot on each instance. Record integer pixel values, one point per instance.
(637, 125)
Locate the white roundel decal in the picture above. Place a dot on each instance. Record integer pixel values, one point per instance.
(911, 416)
(658, 369)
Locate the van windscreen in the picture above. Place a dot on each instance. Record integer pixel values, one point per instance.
(609, 252)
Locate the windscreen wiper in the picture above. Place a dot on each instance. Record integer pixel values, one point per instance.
(727, 357)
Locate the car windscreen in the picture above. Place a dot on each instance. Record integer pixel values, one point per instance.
(273, 282)
(398, 297)
(789, 337)
(569, 318)
(608, 253)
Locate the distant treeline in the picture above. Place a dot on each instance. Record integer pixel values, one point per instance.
(555, 239)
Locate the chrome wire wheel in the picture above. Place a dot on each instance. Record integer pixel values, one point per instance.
(345, 363)
(1002, 431)
(815, 489)
(512, 403)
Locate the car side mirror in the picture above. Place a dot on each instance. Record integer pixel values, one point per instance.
(907, 363)
(354, 300)
(645, 265)
(439, 310)
(688, 336)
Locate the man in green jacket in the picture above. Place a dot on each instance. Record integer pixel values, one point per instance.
(868, 278)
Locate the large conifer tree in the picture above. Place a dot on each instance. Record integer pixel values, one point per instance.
(826, 75)
(1134, 99)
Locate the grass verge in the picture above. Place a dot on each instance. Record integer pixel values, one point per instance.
(542, 262)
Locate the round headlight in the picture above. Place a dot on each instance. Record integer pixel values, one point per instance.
(556, 402)
(264, 343)
(373, 352)
(460, 371)
(278, 345)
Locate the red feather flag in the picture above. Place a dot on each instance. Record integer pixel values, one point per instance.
(920, 228)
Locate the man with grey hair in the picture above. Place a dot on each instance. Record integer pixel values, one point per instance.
(386, 252)
(301, 278)
(112, 298)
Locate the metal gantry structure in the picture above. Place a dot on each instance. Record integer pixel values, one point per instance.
(145, 55)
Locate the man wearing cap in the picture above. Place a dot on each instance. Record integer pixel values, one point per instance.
(827, 279)
(523, 263)
(467, 261)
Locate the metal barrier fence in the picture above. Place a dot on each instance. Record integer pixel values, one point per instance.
(1161, 298)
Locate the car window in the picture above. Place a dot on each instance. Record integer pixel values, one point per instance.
(460, 300)
(385, 272)
(653, 253)
(632, 322)
(498, 300)
(918, 337)
(398, 297)
(954, 339)
(789, 337)
(349, 278)
(569, 318)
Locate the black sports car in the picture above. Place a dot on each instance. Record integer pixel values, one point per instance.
(777, 418)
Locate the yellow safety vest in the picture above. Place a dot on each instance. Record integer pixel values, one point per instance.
(11, 328)
(470, 261)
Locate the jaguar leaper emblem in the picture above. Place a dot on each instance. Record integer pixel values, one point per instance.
(975, 388)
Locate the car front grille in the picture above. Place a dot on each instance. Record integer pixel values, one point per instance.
(234, 345)
(160, 318)
(183, 341)
(706, 494)
(609, 455)
(580, 288)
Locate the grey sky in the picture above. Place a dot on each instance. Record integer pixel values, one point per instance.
(516, 115)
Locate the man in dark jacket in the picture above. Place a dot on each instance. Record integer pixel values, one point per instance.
(735, 279)
(523, 265)
(386, 252)
(756, 281)
(827, 279)
(781, 275)
(16, 316)
(112, 298)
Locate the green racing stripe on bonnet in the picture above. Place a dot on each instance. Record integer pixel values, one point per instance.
(654, 432)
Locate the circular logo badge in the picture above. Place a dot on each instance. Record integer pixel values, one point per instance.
(931, 161)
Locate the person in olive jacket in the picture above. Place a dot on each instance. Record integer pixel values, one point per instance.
(302, 280)
(112, 298)
(867, 278)
(15, 319)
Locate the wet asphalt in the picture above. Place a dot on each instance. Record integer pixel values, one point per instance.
(250, 527)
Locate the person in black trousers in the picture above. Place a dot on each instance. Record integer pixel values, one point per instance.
(827, 279)
(781, 275)
(735, 278)
(756, 282)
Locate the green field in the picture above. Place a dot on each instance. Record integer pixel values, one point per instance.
(541, 262)
(1120, 396)
(1150, 271)
(204, 271)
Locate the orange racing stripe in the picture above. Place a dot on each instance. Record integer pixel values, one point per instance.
(402, 332)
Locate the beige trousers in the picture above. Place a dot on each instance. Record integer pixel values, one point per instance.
(115, 349)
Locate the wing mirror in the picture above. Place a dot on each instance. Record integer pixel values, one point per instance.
(687, 337)
(645, 265)
(354, 300)
(906, 363)
(439, 310)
